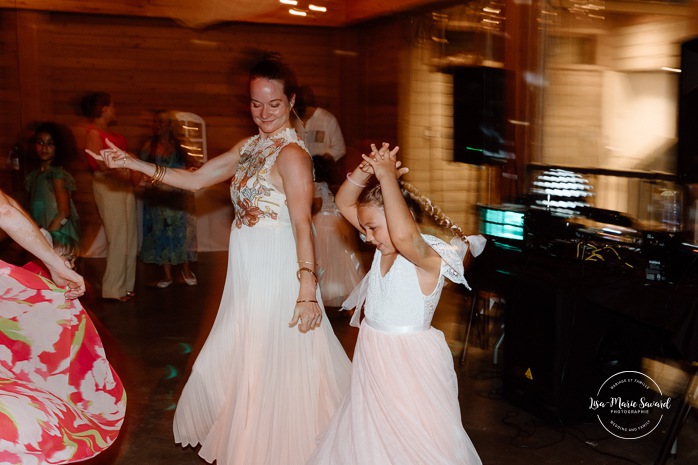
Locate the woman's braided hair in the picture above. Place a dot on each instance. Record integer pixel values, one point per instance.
(416, 202)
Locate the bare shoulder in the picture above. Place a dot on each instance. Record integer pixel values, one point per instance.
(293, 154)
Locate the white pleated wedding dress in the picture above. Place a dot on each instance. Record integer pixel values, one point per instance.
(261, 392)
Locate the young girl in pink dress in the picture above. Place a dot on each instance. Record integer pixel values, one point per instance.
(402, 406)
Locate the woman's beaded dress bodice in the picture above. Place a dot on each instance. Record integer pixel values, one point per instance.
(256, 200)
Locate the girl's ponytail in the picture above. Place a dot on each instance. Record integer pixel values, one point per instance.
(436, 214)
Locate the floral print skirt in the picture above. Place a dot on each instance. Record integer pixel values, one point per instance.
(60, 399)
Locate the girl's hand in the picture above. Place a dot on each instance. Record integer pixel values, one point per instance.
(307, 315)
(366, 167)
(113, 157)
(383, 161)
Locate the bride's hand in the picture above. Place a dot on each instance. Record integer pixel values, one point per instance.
(307, 315)
(113, 157)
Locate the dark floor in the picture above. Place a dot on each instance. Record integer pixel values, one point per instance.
(153, 339)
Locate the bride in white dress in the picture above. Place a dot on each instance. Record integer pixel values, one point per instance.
(261, 391)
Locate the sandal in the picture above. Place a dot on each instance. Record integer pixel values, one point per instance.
(163, 284)
(190, 281)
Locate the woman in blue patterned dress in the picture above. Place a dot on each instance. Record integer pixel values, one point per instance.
(169, 226)
(261, 391)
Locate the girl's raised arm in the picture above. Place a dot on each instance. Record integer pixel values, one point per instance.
(349, 192)
(403, 230)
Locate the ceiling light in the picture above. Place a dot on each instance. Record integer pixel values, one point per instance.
(296, 12)
(289, 2)
(321, 9)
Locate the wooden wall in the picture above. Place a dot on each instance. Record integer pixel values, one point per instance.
(373, 78)
(48, 61)
(149, 64)
(9, 98)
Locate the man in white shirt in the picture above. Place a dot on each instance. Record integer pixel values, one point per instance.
(317, 127)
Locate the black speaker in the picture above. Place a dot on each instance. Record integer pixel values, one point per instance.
(478, 115)
(687, 148)
(560, 347)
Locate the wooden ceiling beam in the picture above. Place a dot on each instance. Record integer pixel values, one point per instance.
(340, 12)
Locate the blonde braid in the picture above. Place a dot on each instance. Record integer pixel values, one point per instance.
(432, 210)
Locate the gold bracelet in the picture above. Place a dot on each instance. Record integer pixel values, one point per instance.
(306, 300)
(303, 268)
(303, 261)
(159, 174)
(154, 178)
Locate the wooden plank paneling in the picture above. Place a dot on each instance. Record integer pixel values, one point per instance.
(146, 64)
(10, 127)
(149, 64)
(205, 13)
(198, 14)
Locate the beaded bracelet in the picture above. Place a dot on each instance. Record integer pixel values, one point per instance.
(303, 268)
(354, 182)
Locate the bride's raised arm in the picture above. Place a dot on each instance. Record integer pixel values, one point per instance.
(218, 169)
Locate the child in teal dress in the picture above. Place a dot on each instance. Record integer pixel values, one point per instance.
(50, 187)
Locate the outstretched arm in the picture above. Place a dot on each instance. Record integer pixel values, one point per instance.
(218, 169)
(17, 224)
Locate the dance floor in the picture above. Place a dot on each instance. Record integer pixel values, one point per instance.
(152, 341)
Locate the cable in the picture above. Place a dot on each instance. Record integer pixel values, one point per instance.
(606, 454)
(523, 433)
(529, 429)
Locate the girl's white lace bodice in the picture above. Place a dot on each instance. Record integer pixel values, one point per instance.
(395, 302)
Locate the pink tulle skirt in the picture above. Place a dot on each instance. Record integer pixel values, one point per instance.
(402, 407)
